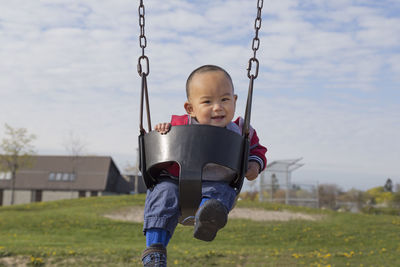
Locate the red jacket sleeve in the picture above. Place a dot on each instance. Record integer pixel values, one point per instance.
(257, 151)
(179, 120)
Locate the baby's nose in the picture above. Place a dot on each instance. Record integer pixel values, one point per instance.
(217, 106)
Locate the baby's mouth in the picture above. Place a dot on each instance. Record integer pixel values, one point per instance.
(218, 117)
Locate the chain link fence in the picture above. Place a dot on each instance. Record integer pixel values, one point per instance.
(275, 185)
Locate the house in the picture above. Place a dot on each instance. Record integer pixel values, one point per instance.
(64, 177)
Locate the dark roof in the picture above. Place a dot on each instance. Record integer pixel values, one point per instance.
(92, 173)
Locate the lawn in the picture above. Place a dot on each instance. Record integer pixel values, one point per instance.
(74, 233)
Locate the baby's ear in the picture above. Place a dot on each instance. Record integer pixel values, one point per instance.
(188, 107)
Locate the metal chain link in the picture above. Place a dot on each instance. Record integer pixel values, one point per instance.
(143, 71)
(256, 43)
(143, 59)
(252, 76)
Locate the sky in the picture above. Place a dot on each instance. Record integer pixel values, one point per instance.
(328, 88)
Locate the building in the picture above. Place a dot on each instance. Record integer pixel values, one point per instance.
(64, 177)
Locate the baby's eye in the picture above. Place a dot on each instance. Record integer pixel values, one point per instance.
(206, 102)
(225, 99)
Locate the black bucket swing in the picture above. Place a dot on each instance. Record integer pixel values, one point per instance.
(193, 146)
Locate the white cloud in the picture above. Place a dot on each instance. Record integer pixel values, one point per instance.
(331, 136)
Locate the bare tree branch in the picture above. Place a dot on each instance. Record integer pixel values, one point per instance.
(16, 152)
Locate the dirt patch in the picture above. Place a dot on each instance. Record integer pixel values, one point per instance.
(135, 214)
(14, 261)
(265, 215)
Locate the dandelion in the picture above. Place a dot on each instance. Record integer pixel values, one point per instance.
(176, 262)
(37, 261)
(327, 256)
(348, 255)
(295, 255)
(276, 252)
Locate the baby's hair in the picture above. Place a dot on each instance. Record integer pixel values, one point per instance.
(203, 69)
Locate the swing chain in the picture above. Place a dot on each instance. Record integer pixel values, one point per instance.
(256, 43)
(143, 72)
(143, 59)
(252, 77)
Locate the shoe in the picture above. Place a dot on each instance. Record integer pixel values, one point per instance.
(155, 256)
(210, 217)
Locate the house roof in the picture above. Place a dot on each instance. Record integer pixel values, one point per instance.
(91, 173)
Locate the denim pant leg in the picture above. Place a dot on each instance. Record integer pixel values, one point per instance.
(220, 191)
(161, 208)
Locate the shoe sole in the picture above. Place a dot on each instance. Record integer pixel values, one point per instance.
(212, 217)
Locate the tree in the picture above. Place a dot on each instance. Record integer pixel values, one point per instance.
(16, 152)
(378, 195)
(388, 187)
(327, 194)
(75, 147)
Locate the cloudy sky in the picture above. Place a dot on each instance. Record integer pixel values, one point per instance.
(328, 88)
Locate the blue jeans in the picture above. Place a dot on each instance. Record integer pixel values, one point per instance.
(162, 203)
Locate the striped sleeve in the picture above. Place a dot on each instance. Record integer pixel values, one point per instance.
(257, 151)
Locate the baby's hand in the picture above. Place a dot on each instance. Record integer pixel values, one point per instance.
(163, 128)
(253, 169)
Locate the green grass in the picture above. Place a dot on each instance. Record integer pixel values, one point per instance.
(74, 233)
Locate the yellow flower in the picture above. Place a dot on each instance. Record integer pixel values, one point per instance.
(348, 255)
(295, 255)
(36, 260)
(327, 256)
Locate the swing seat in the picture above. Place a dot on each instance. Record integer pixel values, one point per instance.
(192, 147)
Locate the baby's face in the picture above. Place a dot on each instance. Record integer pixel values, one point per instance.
(211, 99)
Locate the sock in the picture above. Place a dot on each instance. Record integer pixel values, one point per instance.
(157, 235)
(203, 200)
